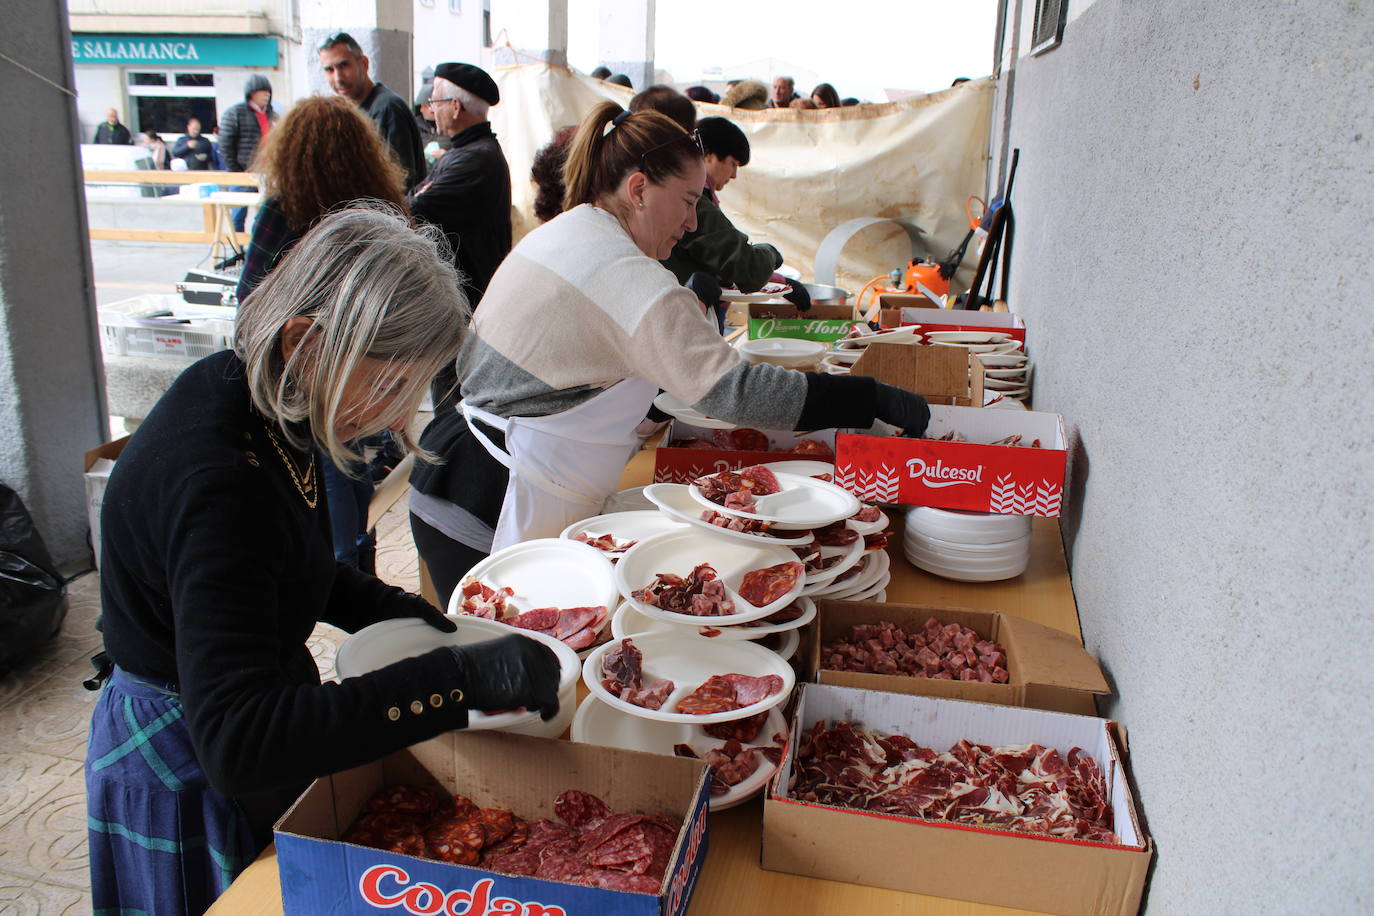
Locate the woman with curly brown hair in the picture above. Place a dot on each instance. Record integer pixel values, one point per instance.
(323, 154)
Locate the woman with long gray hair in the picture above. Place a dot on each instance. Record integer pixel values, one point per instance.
(217, 565)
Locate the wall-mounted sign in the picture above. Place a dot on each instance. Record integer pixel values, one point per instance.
(175, 50)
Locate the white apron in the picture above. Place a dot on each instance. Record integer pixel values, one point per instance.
(563, 466)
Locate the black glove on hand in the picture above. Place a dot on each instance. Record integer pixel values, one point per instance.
(798, 296)
(425, 611)
(902, 409)
(508, 673)
(705, 287)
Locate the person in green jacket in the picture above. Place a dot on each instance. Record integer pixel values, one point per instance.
(715, 247)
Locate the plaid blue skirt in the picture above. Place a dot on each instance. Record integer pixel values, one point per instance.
(162, 841)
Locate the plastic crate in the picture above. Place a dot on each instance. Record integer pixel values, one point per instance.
(165, 327)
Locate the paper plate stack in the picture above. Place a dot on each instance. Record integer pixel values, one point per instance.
(967, 546)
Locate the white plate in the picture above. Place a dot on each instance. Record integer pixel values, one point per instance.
(973, 337)
(908, 334)
(389, 641)
(768, 293)
(628, 621)
(972, 347)
(688, 662)
(1004, 384)
(876, 563)
(1017, 372)
(679, 552)
(627, 501)
(850, 554)
(787, 352)
(788, 641)
(804, 467)
(675, 408)
(598, 723)
(873, 593)
(803, 502)
(867, 528)
(858, 592)
(623, 526)
(678, 504)
(546, 572)
(1009, 360)
(842, 358)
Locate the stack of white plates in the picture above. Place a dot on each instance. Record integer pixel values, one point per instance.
(786, 352)
(967, 546)
(1007, 369)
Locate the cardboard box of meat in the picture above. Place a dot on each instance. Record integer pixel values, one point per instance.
(502, 775)
(1006, 461)
(1014, 662)
(689, 452)
(907, 309)
(993, 804)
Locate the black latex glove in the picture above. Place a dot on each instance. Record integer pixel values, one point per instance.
(705, 287)
(798, 296)
(509, 673)
(903, 409)
(423, 610)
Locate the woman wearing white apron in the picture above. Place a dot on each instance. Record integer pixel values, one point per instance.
(578, 331)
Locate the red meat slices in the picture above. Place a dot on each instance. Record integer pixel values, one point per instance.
(812, 448)
(724, 692)
(876, 541)
(579, 809)
(744, 439)
(606, 543)
(761, 587)
(622, 673)
(701, 593)
(1027, 788)
(650, 697)
(837, 534)
(746, 729)
(738, 490)
(941, 651)
(735, 523)
(867, 514)
(481, 600)
(576, 627)
(786, 615)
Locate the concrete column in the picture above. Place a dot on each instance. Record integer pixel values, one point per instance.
(536, 29)
(52, 398)
(627, 39)
(383, 28)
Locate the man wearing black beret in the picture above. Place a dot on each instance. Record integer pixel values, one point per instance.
(467, 195)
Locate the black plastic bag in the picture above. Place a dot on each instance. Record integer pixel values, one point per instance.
(33, 598)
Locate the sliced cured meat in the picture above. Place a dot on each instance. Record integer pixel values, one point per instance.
(519, 834)
(750, 690)
(541, 618)
(570, 620)
(481, 600)
(744, 439)
(578, 809)
(761, 587)
(651, 697)
(497, 824)
(813, 448)
(732, 762)
(623, 665)
(736, 523)
(414, 801)
(738, 490)
(763, 480)
(740, 501)
(387, 830)
(943, 651)
(457, 840)
(837, 534)
(876, 541)
(746, 729)
(786, 615)
(606, 543)
(868, 514)
(692, 442)
(717, 694)
(701, 592)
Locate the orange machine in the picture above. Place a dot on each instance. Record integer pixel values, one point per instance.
(923, 277)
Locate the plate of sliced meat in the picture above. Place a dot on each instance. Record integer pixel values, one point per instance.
(756, 492)
(677, 678)
(616, 533)
(691, 577)
(389, 641)
(627, 621)
(674, 500)
(738, 771)
(688, 414)
(868, 520)
(821, 470)
(872, 570)
(566, 588)
(837, 548)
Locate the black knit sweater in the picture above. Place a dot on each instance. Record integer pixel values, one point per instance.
(214, 571)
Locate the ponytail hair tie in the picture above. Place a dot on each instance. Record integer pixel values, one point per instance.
(615, 122)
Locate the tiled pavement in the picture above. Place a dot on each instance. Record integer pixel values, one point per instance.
(44, 715)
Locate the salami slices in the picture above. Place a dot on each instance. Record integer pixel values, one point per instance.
(761, 587)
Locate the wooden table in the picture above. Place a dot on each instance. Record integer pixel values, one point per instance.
(731, 881)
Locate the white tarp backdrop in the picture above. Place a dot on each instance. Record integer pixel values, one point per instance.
(918, 159)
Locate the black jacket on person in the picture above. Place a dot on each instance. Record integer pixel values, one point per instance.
(239, 133)
(113, 134)
(467, 195)
(396, 123)
(216, 565)
(197, 152)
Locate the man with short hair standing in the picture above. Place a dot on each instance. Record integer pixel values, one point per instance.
(468, 193)
(784, 91)
(111, 132)
(193, 149)
(346, 70)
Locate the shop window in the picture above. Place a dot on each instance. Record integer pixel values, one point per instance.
(1048, 30)
(164, 100)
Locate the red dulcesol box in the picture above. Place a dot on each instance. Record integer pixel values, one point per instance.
(984, 864)
(972, 475)
(906, 309)
(320, 873)
(684, 465)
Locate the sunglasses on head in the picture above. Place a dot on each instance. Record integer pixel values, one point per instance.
(694, 138)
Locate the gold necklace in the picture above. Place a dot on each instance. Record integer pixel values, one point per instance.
(306, 483)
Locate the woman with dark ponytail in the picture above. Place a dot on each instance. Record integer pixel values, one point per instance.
(579, 330)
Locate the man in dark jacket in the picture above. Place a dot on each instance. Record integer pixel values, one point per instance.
(196, 151)
(346, 70)
(468, 193)
(242, 128)
(111, 132)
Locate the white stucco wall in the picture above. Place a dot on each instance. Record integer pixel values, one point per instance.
(1194, 199)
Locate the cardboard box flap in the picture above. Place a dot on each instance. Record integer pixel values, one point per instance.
(1051, 657)
(938, 374)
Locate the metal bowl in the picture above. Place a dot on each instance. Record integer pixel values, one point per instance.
(826, 295)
